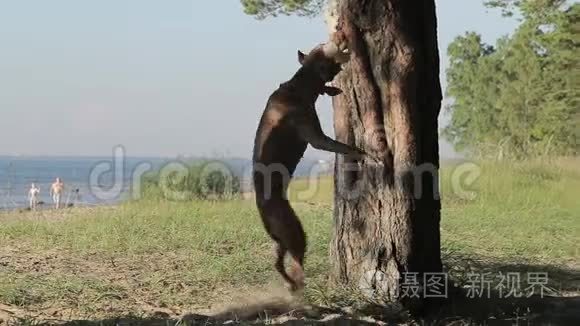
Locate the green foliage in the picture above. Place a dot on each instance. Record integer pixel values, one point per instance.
(201, 180)
(527, 8)
(520, 97)
(264, 8)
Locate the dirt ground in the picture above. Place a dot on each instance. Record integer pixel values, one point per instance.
(270, 304)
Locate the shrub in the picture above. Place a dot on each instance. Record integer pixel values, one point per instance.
(203, 180)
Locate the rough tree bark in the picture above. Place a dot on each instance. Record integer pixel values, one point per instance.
(387, 215)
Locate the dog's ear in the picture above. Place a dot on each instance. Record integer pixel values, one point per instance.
(331, 91)
(301, 57)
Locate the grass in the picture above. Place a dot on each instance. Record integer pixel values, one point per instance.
(147, 256)
(522, 212)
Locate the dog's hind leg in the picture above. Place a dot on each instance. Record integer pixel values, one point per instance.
(297, 271)
(272, 213)
(280, 255)
(295, 240)
(284, 227)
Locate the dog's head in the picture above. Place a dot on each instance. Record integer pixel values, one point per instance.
(325, 60)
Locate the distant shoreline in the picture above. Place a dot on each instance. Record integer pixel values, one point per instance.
(50, 207)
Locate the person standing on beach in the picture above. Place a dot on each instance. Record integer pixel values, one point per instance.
(56, 191)
(33, 196)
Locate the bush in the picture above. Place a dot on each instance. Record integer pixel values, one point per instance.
(203, 180)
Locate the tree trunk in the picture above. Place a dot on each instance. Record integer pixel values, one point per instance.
(387, 215)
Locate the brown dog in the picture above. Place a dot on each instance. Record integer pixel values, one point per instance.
(288, 124)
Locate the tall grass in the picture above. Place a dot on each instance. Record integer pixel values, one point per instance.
(512, 207)
(521, 211)
(191, 253)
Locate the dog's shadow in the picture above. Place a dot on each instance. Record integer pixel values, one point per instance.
(261, 308)
(279, 307)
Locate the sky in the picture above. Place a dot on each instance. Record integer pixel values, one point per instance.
(162, 78)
